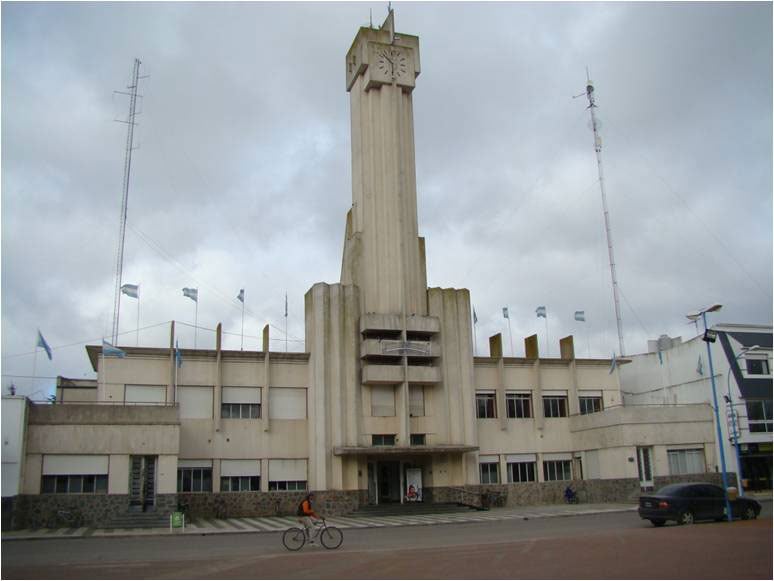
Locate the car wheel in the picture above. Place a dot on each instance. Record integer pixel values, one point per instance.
(657, 522)
(685, 518)
(748, 513)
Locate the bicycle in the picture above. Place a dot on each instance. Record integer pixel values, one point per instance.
(330, 537)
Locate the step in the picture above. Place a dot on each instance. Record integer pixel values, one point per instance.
(409, 509)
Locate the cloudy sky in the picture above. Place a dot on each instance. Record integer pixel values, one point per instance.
(241, 176)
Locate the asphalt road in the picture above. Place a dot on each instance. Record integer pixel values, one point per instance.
(605, 546)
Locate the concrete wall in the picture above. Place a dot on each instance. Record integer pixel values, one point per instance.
(14, 426)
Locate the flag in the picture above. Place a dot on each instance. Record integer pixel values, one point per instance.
(580, 315)
(241, 295)
(660, 358)
(475, 318)
(109, 351)
(541, 312)
(612, 364)
(131, 290)
(700, 367)
(505, 312)
(286, 305)
(178, 356)
(42, 344)
(191, 293)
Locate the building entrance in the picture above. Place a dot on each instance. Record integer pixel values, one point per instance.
(142, 483)
(394, 481)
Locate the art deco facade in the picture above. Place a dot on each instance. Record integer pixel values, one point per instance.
(387, 403)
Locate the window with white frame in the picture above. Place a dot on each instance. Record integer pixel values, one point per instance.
(518, 404)
(489, 469)
(382, 400)
(194, 475)
(418, 439)
(145, 394)
(757, 365)
(590, 404)
(74, 474)
(240, 475)
(557, 468)
(416, 401)
(555, 405)
(240, 403)
(521, 467)
(688, 461)
(287, 474)
(759, 417)
(486, 404)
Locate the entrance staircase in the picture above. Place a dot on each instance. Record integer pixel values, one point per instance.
(410, 508)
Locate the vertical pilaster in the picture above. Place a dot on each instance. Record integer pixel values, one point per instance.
(265, 399)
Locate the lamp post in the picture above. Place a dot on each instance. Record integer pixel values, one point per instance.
(709, 337)
(735, 435)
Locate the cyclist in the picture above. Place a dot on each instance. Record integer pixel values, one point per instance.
(305, 515)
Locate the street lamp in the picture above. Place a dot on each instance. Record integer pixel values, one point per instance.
(710, 338)
(730, 402)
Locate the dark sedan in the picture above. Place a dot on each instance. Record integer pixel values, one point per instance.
(692, 501)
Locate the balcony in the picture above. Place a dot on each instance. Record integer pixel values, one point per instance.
(397, 348)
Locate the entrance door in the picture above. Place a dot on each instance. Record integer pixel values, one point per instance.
(645, 467)
(388, 482)
(142, 482)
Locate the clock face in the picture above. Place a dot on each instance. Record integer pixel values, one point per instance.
(392, 62)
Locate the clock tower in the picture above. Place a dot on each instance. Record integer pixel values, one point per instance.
(383, 253)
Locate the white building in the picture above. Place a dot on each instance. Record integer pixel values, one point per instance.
(673, 372)
(386, 405)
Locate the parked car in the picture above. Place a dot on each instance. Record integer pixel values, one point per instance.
(692, 501)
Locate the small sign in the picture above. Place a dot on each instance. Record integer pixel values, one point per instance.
(176, 520)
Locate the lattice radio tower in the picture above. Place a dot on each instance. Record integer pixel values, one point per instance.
(130, 122)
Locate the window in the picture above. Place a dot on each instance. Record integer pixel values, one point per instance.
(382, 439)
(382, 400)
(590, 405)
(245, 411)
(74, 484)
(686, 461)
(557, 470)
(555, 406)
(239, 483)
(287, 474)
(194, 479)
(240, 403)
(485, 405)
(518, 405)
(287, 403)
(521, 472)
(416, 401)
(759, 417)
(757, 366)
(417, 439)
(490, 472)
(195, 402)
(288, 485)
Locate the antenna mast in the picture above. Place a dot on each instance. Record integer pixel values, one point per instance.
(598, 150)
(125, 199)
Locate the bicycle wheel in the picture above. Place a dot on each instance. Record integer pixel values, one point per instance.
(331, 537)
(293, 539)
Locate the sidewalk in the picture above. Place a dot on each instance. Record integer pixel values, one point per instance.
(211, 526)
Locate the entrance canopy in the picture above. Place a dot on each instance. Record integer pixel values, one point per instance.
(401, 450)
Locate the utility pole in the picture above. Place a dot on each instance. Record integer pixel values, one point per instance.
(598, 150)
(130, 121)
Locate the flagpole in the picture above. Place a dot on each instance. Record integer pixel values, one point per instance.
(475, 338)
(34, 365)
(196, 320)
(242, 344)
(548, 349)
(286, 322)
(510, 334)
(138, 321)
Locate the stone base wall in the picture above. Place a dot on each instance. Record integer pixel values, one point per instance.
(82, 510)
(621, 490)
(247, 504)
